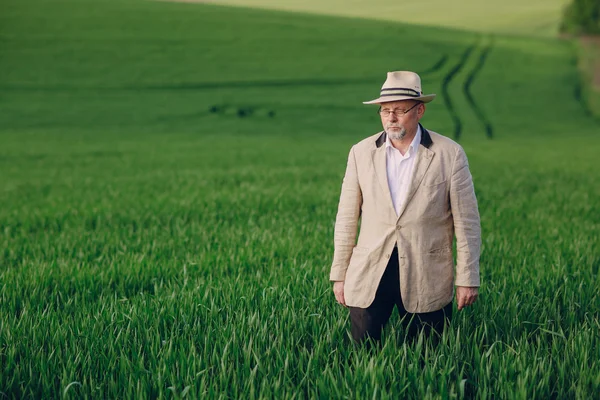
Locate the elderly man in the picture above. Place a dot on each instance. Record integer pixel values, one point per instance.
(412, 191)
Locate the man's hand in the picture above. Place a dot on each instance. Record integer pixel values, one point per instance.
(338, 290)
(465, 296)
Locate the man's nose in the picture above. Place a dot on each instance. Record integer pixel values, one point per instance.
(393, 117)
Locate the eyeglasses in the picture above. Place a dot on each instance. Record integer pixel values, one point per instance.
(397, 113)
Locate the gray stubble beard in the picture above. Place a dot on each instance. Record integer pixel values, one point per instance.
(397, 136)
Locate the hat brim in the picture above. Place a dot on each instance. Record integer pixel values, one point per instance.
(386, 99)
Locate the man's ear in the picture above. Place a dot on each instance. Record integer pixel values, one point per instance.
(421, 110)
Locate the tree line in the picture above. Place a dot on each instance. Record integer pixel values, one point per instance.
(582, 17)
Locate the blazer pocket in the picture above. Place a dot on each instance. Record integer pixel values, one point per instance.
(436, 195)
(359, 256)
(434, 184)
(356, 280)
(360, 250)
(441, 250)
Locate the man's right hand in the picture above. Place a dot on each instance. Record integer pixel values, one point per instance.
(338, 290)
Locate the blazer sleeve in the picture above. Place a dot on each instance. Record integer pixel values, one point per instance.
(346, 222)
(467, 226)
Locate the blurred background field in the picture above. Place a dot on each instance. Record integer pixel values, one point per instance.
(533, 17)
(170, 176)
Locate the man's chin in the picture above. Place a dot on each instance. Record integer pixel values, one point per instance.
(396, 134)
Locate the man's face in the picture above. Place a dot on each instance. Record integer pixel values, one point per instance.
(398, 124)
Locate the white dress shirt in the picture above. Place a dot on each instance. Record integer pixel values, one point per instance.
(400, 169)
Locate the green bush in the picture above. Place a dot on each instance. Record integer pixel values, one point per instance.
(582, 17)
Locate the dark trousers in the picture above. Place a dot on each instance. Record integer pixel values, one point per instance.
(369, 322)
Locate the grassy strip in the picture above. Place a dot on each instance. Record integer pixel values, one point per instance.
(534, 17)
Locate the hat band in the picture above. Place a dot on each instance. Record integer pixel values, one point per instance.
(401, 91)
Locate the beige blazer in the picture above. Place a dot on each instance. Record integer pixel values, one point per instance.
(440, 203)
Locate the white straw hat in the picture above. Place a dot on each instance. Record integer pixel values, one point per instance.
(401, 85)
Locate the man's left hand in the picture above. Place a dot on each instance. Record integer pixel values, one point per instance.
(465, 296)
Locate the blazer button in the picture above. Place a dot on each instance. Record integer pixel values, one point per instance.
(388, 255)
(398, 227)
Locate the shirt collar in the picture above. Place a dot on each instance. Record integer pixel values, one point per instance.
(413, 145)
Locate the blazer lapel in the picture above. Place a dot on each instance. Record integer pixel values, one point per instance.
(424, 157)
(378, 156)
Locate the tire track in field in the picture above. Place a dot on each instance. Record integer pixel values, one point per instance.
(446, 94)
(477, 53)
(439, 64)
(435, 67)
(489, 130)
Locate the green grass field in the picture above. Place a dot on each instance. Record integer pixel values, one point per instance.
(170, 176)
